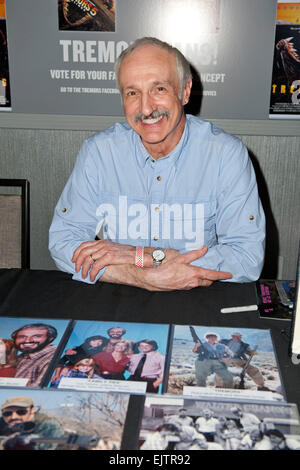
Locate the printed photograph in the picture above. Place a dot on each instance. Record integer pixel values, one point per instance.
(286, 69)
(184, 424)
(87, 15)
(46, 420)
(5, 93)
(222, 360)
(107, 354)
(27, 347)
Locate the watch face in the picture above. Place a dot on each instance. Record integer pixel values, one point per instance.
(158, 255)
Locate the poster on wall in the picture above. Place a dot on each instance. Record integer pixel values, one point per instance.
(87, 15)
(5, 100)
(285, 88)
(69, 48)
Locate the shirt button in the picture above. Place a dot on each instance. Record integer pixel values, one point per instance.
(155, 239)
(64, 210)
(159, 178)
(156, 209)
(251, 217)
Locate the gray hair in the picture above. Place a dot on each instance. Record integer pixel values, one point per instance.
(183, 66)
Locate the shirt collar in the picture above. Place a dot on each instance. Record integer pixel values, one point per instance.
(143, 156)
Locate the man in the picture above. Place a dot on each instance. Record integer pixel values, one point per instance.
(148, 365)
(248, 421)
(172, 198)
(207, 425)
(180, 419)
(34, 343)
(241, 351)
(21, 420)
(115, 335)
(211, 356)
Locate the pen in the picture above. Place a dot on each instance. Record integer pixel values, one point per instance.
(245, 308)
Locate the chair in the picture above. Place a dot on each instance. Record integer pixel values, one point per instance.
(14, 224)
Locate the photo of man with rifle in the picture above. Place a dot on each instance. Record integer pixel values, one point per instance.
(241, 360)
(242, 357)
(211, 355)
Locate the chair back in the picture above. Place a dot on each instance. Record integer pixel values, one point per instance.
(14, 224)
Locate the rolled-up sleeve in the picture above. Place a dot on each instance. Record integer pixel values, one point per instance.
(75, 220)
(240, 220)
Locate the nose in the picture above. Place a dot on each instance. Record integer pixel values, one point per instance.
(146, 104)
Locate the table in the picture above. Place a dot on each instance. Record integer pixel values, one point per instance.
(53, 294)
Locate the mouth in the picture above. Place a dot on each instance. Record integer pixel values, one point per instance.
(28, 345)
(153, 118)
(151, 121)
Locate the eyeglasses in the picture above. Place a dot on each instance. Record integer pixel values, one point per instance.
(18, 411)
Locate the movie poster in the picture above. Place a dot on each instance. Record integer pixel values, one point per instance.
(285, 88)
(5, 98)
(87, 15)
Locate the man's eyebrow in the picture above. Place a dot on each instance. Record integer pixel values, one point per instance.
(157, 82)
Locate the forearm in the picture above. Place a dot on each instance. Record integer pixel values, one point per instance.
(175, 274)
(126, 274)
(243, 260)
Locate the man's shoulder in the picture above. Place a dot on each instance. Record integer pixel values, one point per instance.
(210, 131)
(114, 132)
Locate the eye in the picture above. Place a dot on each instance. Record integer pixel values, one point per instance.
(131, 93)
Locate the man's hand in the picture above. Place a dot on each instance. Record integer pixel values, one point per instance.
(176, 274)
(99, 254)
(95, 255)
(179, 274)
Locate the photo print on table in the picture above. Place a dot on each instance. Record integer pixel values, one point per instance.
(195, 424)
(119, 356)
(28, 348)
(224, 362)
(61, 420)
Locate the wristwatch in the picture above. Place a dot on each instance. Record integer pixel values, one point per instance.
(158, 256)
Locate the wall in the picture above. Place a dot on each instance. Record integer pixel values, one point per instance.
(43, 149)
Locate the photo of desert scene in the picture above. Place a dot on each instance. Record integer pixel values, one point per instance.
(222, 357)
(60, 420)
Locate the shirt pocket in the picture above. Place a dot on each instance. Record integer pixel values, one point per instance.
(189, 225)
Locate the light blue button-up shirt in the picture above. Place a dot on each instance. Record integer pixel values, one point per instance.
(203, 193)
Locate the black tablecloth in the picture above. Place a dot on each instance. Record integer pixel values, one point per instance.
(53, 294)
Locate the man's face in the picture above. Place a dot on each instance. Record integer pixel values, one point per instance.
(236, 338)
(211, 339)
(116, 333)
(32, 339)
(150, 92)
(18, 414)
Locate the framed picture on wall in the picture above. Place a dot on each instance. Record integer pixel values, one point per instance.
(295, 329)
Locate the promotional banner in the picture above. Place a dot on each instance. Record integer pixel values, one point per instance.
(285, 91)
(5, 101)
(62, 52)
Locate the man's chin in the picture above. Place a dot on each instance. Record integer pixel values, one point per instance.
(31, 349)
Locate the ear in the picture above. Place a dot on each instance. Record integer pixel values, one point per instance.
(187, 91)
